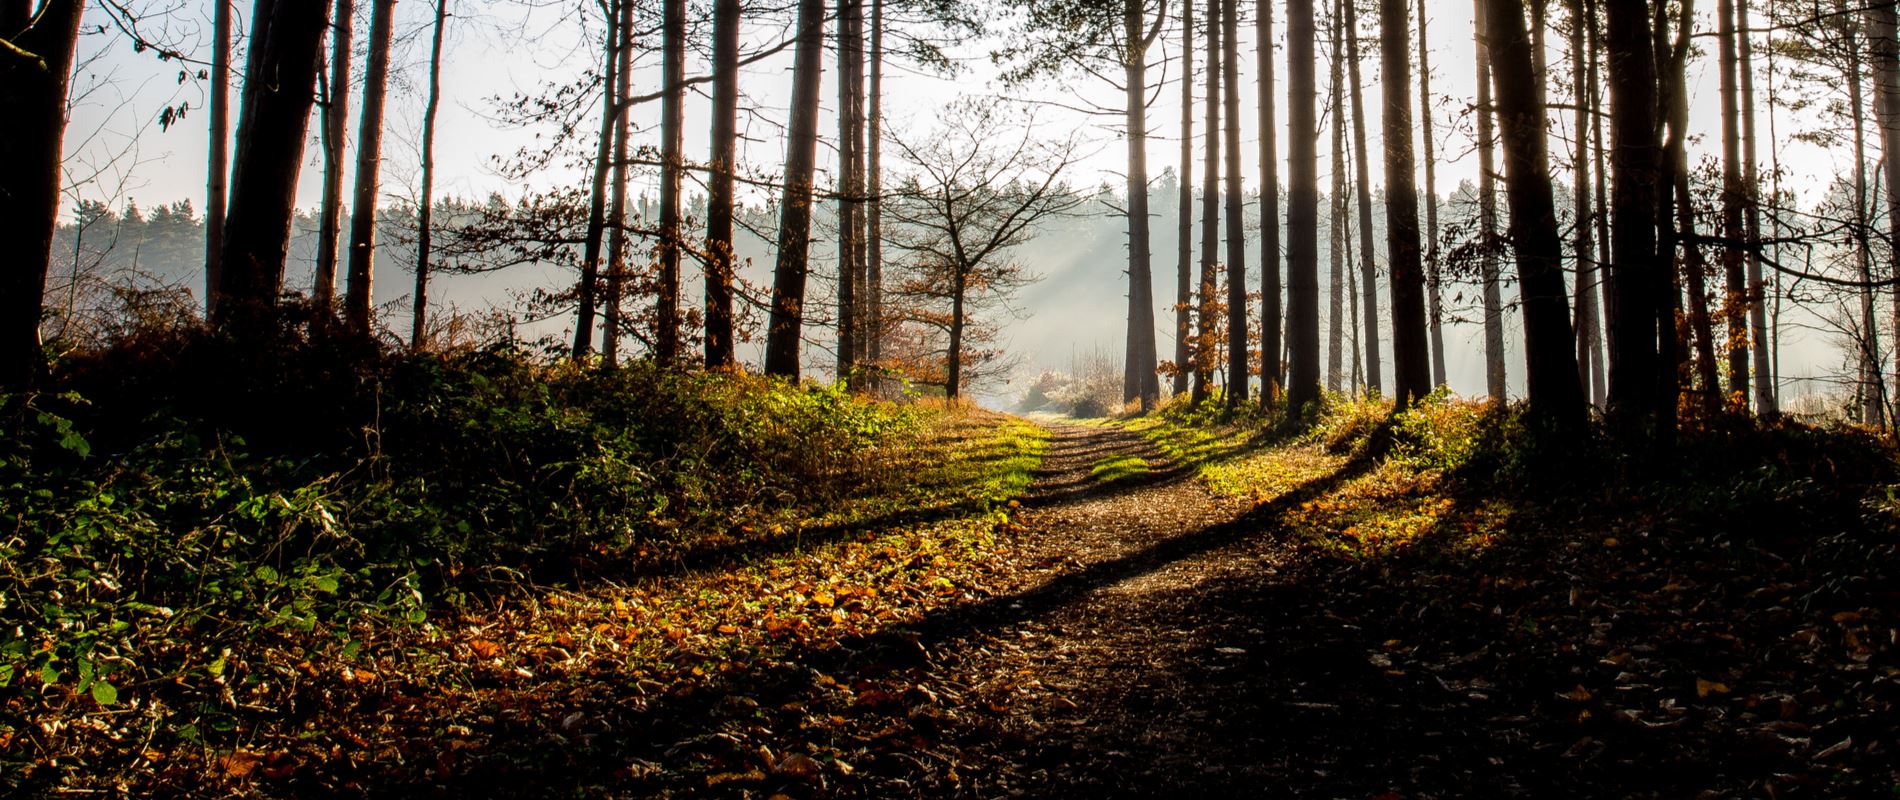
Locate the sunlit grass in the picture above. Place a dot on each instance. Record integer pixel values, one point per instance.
(1404, 501)
(1119, 468)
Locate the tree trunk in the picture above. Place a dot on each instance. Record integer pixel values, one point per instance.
(1494, 369)
(219, 169)
(1871, 383)
(1411, 354)
(725, 141)
(1765, 404)
(1638, 401)
(1337, 225)
(279, 88)
(953, 380)
(1184, 236)
(1885, 52)
(1555, 392)
(1734, 200)
(1369, 276)
(584, 296)
(1682, 231)
(369, 162)
(1237, 349)
(1434, 278)
(1208, 315)
(1675, 228)
(850, 146)
(874, 188)
(1606, 279)
(610, 328)
(333, 121)
(425, 215)
(1138, 379)
(34, 72)
(1271, 379)
(1302, 213)
(666, 316)
(1357, 373)
(1589, 362)
(794, 233)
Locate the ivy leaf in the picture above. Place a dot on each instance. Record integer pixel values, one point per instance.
(104, 694)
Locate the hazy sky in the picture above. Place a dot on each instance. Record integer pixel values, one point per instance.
(496, 49)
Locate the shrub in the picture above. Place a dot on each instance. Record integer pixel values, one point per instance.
(183, 493)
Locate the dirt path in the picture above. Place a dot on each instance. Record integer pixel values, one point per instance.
(1169, 651)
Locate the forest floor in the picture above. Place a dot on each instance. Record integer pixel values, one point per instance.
(1164, 611)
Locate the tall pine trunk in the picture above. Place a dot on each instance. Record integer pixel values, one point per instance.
(850, 150)
(1434, 272)
(1494, 369)
(1734, 201)
(1765, 400)
(1555, 394)
(425, 214)
(1871, 384)
(279, 89)
(218, 171)
(1237, 361)
(1184, 235)
(666, 312)
(1302, 212)
(1884, 50)
(334, 118)
(612, 303)
(783, 333)
(1139, 381)
(34, 73)
(1589, 359)
(719, 198)
(1606, 277)
(584, 290)
(1368, 272)
(1639, 403)
(1411, 353)
(1336, 223)
(874, 188)
(369, 163)
(1206, 314)
(1271, 369)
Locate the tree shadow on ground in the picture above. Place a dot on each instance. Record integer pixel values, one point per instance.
(615, 730)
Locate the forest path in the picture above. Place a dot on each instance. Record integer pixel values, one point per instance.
(1136, 670)
(1178, 647)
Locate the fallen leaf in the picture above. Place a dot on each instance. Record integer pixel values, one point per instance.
(1834, 749)
(239, 763)
(798, 765)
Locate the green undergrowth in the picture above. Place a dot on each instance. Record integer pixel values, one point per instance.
(1449, 474)
(186, 516)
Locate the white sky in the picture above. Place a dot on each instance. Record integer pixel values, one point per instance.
(499, 48)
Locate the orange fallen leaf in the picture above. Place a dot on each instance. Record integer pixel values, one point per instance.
(239, 763)
(798, 765)
(1704, 688)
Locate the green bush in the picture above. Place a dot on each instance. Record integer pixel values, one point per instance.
(185, 495)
